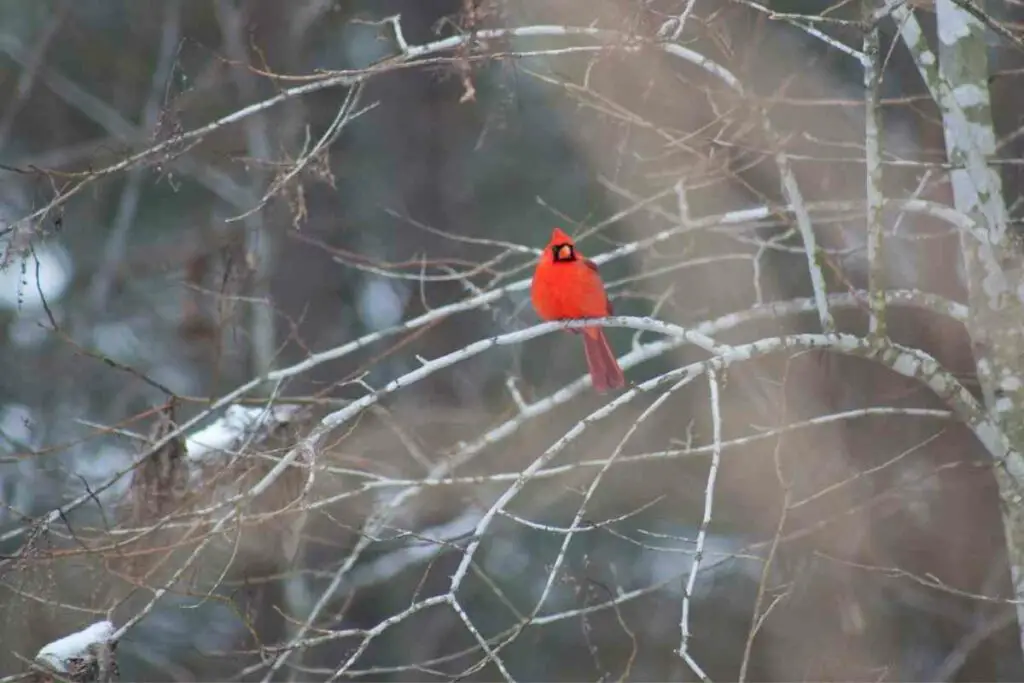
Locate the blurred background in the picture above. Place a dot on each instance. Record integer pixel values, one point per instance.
(860, 548)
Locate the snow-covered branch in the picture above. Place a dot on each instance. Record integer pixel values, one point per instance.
(86, 656)
(238, 425)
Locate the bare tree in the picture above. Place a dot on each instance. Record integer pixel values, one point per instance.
(291, 417)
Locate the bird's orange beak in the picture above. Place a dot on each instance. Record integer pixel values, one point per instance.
(564, 252)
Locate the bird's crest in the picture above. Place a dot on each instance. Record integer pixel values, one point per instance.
(558, 236)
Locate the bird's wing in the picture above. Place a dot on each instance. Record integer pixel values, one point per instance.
(593, 266)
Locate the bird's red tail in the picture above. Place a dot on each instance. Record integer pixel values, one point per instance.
(605, 372)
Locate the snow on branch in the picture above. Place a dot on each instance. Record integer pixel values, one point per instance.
(239, 425)
(86, 655)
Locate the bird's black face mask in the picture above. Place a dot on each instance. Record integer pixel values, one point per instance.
(563, 253)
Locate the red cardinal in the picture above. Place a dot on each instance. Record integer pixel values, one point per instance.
(566, 286)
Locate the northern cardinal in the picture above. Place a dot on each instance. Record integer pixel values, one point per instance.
(567, 286)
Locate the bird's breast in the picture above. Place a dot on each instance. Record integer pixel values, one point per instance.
(569, 294)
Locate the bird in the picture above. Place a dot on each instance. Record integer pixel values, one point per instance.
(567, 286)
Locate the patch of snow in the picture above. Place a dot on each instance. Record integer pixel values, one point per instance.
(58, 653)
(115, 339)
(231, 430)
(31, 330)
(381, 304)
(719, 556)
(96, 467)
(24, 277)
(178, 381)
(18, 422)
(364, 47)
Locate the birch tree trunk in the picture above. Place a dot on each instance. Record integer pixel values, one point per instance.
(958, 82)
